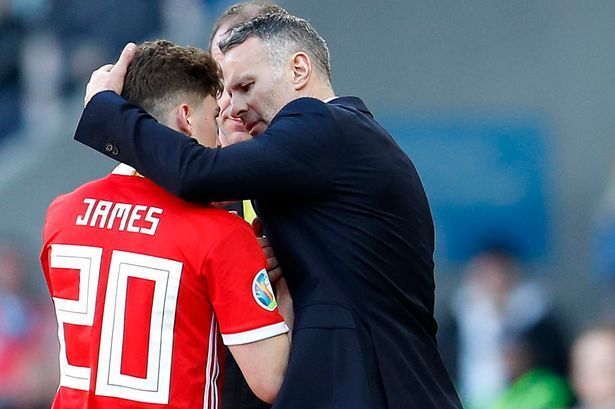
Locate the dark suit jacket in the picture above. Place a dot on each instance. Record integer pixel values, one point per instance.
(346, 213)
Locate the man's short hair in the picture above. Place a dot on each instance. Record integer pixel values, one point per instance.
(240, 13)
(282, 35)
(163, 74)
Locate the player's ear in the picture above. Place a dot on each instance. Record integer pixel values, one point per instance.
(302, 70)
(182, 119)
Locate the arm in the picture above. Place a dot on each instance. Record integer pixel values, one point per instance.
(264, 380)
(246, 309)
(266, 383)
(294, 157)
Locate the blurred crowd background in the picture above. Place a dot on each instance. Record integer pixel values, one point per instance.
(505, 107)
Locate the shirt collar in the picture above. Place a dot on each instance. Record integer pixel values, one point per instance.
(330, 99)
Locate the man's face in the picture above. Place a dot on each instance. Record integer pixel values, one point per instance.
(203, 121)
(230, 128)
(256, 94)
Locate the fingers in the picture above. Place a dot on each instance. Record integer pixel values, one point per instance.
(285, 303)
(93, 85)
(273, 268)
(272, 261)
(274, 275)
(110, 77)
(99, 71)
(257, 226)
(265, 246)
(281, 288)
(121, 66)
(104, 68)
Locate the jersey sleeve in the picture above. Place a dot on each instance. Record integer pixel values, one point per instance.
(239, 287)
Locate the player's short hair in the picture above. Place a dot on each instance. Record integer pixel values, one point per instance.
(240, 13)
(282, 35)
(163, 74)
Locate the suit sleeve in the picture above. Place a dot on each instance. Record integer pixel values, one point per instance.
(294, 157)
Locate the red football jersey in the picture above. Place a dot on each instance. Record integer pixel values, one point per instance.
(143, 285)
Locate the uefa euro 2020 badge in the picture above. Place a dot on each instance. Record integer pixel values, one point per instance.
(263, 292)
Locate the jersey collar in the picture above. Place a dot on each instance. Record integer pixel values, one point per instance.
(125, 170)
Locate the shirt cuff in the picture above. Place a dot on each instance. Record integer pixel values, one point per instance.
(254, 335)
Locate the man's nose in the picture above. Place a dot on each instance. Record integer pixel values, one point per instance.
(238, 106)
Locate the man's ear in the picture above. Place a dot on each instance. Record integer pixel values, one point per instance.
(302, 70)
(182, 119)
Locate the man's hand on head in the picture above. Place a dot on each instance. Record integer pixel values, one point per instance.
(110, 77)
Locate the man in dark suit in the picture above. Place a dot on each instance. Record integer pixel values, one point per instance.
(236, 393)
(342, 204)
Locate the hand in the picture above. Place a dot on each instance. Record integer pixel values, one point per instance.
(285, 303)
(110, 77)
(273, 268)
(257, 227)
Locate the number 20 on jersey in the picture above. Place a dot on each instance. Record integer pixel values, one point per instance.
(110, 381)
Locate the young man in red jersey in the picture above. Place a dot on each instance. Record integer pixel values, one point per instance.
(144, 284)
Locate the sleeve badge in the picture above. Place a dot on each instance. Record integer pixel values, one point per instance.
(263, 292)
